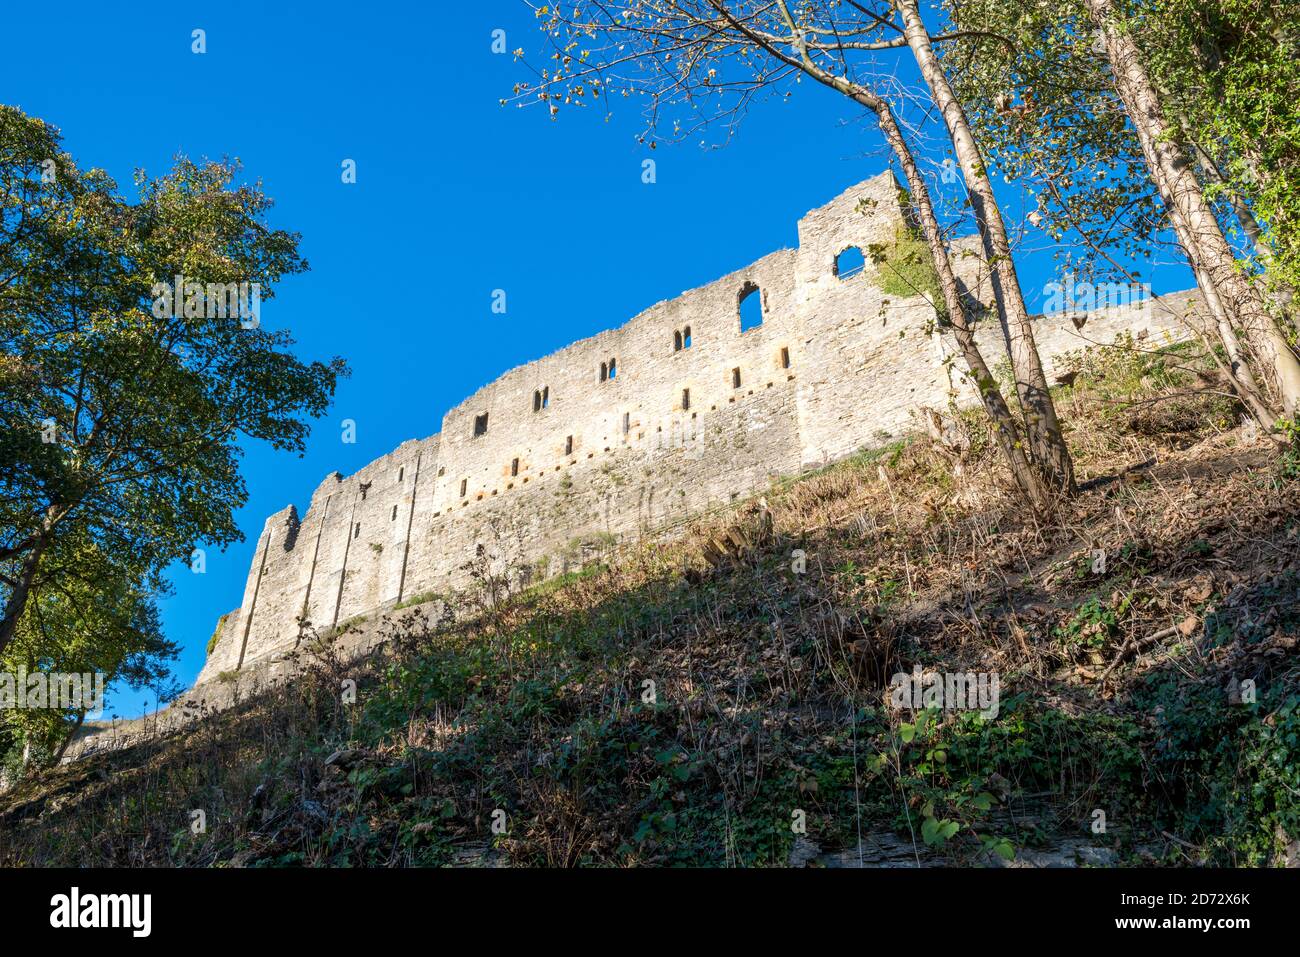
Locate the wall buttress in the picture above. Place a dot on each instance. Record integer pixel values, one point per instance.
(252, 606)
(315, 554)
(347, 547)
(410, 521)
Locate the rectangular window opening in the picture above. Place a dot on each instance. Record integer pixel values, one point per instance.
(480, 425)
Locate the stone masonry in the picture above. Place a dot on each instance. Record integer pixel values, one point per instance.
(635, 429)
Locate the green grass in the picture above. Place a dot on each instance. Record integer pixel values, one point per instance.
(647, 710)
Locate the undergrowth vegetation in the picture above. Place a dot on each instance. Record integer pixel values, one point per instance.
(659, 708)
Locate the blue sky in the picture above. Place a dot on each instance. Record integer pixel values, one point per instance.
(455, 196)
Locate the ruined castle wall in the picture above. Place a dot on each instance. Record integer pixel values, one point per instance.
(868, 358)
(345, 559)
(269, 591)
(374, 554)
(1151, 323)
(333, 506)
(540, 470)
(612, 456)
(286, 581)
(564, 515)
(417, 479)
(225, 652)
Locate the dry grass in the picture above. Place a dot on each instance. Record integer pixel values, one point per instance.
(769, 684)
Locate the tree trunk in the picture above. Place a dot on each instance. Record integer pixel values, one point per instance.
(1051, 454)
(1243, 379)
(1008, 433)
(1193, 219)
(22, 587)
(1009, 436)
(63, 748)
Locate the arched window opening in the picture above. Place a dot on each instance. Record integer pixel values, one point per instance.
(686, 338)
(750, 307)
(849, 262)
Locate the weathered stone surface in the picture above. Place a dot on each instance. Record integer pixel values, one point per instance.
(834, 366)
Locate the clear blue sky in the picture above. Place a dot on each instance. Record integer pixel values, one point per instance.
(455, 196)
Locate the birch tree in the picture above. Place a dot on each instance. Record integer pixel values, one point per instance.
(692, 65)
(1213, 84)
(1192, 216)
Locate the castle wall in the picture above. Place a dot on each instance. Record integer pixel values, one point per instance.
(375, 547)
(1154, 321)
(868, 358)
(556, 459)
(272, 581)
(225, 652)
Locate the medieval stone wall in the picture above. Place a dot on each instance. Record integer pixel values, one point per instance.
(677, 411)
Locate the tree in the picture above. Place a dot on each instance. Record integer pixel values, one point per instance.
(1043, 428)
(1192, 216)
(121, 399)
(1212, 86)
(1235, 65)
(91, 616)
(700, 63)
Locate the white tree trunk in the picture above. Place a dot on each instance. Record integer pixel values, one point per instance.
(1193, 219)
(1044, 429)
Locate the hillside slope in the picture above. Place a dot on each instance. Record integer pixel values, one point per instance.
(696, 701)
